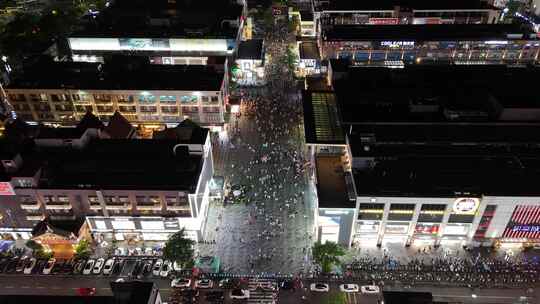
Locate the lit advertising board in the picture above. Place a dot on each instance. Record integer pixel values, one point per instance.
(383, 21)
(152, 44)
(6, 189)
(466, 205)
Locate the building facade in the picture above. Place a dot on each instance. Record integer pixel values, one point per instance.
(415, 44)
(124, 188)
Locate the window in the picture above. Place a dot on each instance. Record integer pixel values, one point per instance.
(92, 199)
(169, 109)
(102, 97)
(60, 97)
(188, 99)
(155, 199)
(167, 99)
(27, 199)
(125, 98)
(147, 99)
(109, 199)
(171, 200)
(190, 109)
(401, 212)
(63, 198)
(205, 99)
(148, 109)
(48, 198)
(210, 109)
(105, 109)
(128, 109)
(43, 97)
(63, 108)
(17, 97)
(80, 97)
(370, 211)
(124, 199)
(214, 99)
(432, 213)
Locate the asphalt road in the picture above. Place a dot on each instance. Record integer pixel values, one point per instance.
(68, 285)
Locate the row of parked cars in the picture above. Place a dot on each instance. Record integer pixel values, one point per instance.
(114, 266)
(366, 289)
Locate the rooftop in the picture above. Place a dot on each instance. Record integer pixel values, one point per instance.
(185, 132)
(436, 173)
(347, 5)
(453, 93)
(111, 76)
(251, 49)
(321, 120)
(309, 50)
(429, 32)
(118, 164)
(332, 186)
(164, 19)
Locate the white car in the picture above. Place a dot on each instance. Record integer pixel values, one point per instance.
(320, 287)
(157, 267)
(49, 266)
(88, 267)
(108, 267)
(176, 267)
(204, 283)
(370, 289)
(349, 288)
(181, 283)
(239, 294)
(29, 266)
(165, 269)
(98, 265)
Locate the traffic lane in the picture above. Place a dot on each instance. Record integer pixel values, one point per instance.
(66, 284)
(440, 294)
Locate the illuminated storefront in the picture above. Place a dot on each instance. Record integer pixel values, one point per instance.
(374, 45)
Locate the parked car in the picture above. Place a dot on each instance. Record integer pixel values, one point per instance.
(176, 267)
(11, 265)
(57, 267)
(287, 285)
(49, 266)
(29, 266)
(226, 284)
(181, 283)
(107, 268)
(370, 289)
(98, 265)
(320, 287)
(165, 269)
(78, 268)
(157, 267)
(349, 288)
(117, 267)
(88, 267)
(67, 267)
(39, 266)
(204, 284)
(239, 294)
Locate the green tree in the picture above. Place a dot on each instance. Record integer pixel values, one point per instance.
(82, 250)
(327, 254)
(40, 254)
(33, 245)
(179, 249)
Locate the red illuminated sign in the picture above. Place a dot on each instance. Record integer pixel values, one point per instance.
(6, 189)
(383, 21)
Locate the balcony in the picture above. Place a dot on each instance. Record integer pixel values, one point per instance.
(95, 206)
(58, 205)
(30, 205)
(34, 217)
(117, 205)
(148, 206)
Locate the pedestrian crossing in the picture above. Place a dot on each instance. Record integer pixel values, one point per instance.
(262, 292)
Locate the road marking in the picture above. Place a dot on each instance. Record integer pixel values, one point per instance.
(479, 296)
(9, 287)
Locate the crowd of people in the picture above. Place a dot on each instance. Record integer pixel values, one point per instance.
(473, 270)
(266, 172)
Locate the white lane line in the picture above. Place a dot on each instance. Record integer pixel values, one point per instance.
(479, 296)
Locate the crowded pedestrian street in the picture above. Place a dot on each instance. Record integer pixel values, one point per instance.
(265, 222)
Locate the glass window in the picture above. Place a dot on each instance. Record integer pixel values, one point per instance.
(214, 99)
(167, 99)
(204, 98)
(93, 199)
(63, 198)
(147, 98)
(193, 98)
(125, 98)
(155, 199)
(123, 199)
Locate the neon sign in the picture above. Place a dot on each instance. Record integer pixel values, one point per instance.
(397, 44)
(466, 205)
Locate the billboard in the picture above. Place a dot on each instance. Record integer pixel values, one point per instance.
(152, 44)
(524, 223)
(6, 188)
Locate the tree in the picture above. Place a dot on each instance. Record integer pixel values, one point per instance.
(82, 250)
(327, 254)
(179, 249)
(33, 245)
